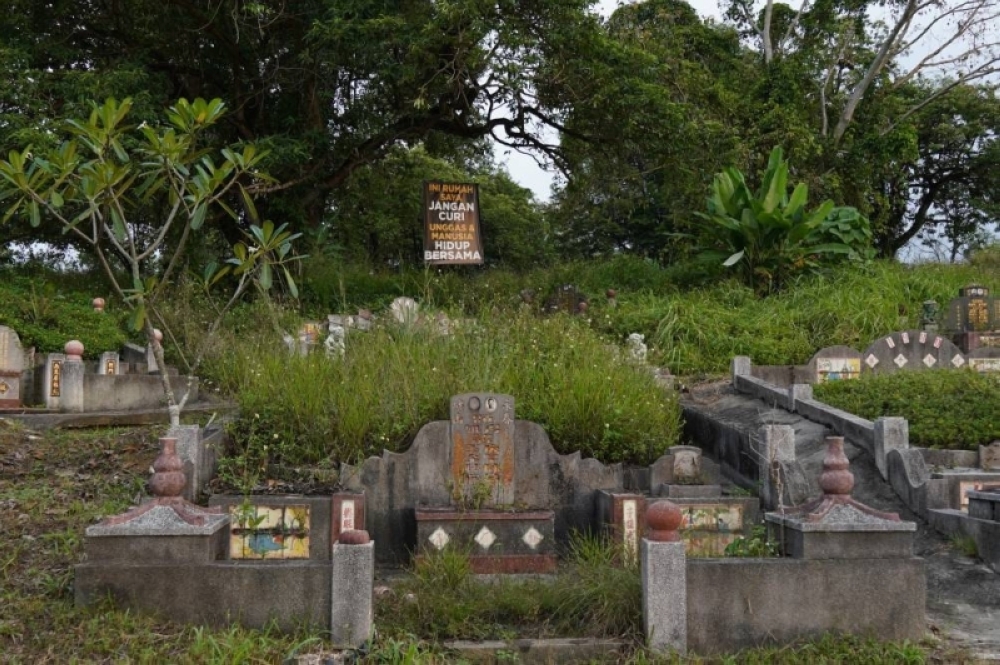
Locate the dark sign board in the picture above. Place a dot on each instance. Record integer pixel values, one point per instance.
(451, 223)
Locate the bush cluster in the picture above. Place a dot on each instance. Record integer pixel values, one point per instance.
(945, 408)
(46, 316)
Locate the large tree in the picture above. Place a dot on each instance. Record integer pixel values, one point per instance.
(326, 86)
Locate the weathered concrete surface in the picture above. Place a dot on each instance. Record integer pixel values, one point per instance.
(784, 600)
(292, 594)
(726, 426)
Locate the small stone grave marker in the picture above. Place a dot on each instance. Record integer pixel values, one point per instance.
(989, 457)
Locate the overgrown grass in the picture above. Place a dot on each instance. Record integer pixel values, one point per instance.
(52, 486)
(394, 380)
(946, 408)
(596, 593)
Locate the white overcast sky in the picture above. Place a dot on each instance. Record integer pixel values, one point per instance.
(522, 167)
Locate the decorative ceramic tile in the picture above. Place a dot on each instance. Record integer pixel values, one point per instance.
(937, 342)
(485, 538)
(958, 360)
(905, 337)
(532, 538)
(712, 517)
(269, 532)
(871, 360)
(890, 342)
(923, 338)
(439, 538)
(929, 360)
(900, 360)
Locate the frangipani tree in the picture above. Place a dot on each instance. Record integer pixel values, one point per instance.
(136, 196)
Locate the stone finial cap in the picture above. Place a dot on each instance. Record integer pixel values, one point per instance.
(354, 537)
(73, 350)
(663, 518)
(836, 478)
(168, 478)
(98, 304)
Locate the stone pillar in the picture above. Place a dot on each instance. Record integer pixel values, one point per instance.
(109, 364)
(52, 380)
(890, 434)
(776, 450)
(72, 378)
(663, 567)
(351, 611)
(799, 391)
(740, 366)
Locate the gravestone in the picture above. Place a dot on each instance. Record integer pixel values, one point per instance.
(567, 298)
(637, 349)
(482, 432)
(11, 367)
(835, 363)
(973, 318)
(405, 311)
(911, 350)
(483, 482)
(989, 456)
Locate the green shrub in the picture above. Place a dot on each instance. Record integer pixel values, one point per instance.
(946, 408)
(392, 382)
(46, 315)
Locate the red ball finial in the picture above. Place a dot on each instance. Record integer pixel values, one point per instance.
(663, 518)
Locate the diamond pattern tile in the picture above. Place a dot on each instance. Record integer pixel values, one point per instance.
(485, 538)
(439, 538)
(900, 360)
(871, 360)
(929, 360)
(532, 538)
(958, 361)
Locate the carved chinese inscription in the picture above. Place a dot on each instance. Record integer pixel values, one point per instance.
(482, 435)
(56, 382)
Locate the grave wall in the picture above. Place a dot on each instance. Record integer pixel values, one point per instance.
(734, 604)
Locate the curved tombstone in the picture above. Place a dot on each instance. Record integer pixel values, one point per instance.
(910, 350)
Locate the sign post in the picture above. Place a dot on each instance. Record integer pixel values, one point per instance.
(451, 224)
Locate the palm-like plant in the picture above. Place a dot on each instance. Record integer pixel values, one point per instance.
(770, 235)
